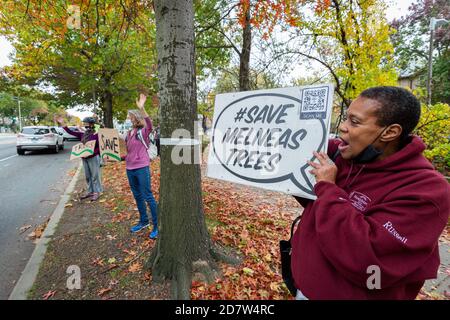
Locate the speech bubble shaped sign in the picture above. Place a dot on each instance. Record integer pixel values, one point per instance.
(264, 138)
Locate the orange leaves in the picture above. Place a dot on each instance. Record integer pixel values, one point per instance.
(322, 5)
(103, 291)
(98, 262)
(248, 220)
(252, 222)
(135, 267)
(38, 231)
(49, 294)
(266, 14)
(244, 7)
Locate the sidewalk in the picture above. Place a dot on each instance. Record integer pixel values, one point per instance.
(96, 238)
(441, 286)
(7, 135)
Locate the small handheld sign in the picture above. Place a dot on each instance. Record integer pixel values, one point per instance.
(264, 138)
(81, 150)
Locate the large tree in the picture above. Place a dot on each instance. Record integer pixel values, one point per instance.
(184, 245)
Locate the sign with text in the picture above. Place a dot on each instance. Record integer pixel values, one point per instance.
(264, 138)
(109, 144)
(81, 150)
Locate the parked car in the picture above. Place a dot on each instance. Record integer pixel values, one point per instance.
(64, 133)
(39, 138)
(67, 136)
(333, 136)
(59, 130)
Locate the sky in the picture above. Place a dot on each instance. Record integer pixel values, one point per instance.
(396, 9)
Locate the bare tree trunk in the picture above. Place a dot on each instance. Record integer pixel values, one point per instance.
(184, 246)
(204, 119)
(107, 109)
(244, 68)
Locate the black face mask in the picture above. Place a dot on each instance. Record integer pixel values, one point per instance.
(370, 153)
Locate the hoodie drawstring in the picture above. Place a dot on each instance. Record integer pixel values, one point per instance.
(348, 175)
(354, 178)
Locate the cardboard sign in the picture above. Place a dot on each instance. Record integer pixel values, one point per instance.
(109, 144)
(264, 138)
(81, 150)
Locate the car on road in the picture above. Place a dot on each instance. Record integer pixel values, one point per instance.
(39, 138)
(333, 136)
(68, 136)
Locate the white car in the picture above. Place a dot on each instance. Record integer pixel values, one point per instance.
(66, 136)
(333, 136)
(38, 138)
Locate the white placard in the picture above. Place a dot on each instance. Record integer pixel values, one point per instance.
(263, 138)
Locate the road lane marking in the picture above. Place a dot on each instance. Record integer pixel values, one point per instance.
(8, 158)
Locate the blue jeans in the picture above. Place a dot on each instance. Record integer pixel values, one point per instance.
(139, 180)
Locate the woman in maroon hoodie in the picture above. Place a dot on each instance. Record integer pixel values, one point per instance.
(372, 232)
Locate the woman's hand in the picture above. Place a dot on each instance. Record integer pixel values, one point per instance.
(59, 120)
(141, 101)
(326, 170)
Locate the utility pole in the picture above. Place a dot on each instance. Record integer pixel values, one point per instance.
(20, 117)
(20, 113)
(433, 24)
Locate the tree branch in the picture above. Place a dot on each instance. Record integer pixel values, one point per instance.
(229, 40)
(212, 25)
(427, 123)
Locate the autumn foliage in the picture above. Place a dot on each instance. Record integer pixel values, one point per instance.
(243, 219)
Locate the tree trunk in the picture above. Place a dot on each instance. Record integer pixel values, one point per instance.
(204, 119)
(107, 109)
(184, 246)
(244, 68)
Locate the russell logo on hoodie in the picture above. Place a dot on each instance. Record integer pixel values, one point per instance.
(359, 200)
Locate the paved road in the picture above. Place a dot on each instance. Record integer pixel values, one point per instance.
(30, 187)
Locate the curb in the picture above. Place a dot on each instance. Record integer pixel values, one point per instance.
(31, 270)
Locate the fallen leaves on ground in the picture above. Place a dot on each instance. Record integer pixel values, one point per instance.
(112, 260)
(49, 294)
(38, 231)
(248, 220)
(110, 237)
(135, 267)
(425, 295)
(98, 262)
(103, 291)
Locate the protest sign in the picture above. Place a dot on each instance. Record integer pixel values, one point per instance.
(109, 144)
(81, 150)
(264, 138)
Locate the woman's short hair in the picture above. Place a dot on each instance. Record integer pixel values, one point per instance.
(137, 114)
(396, 105)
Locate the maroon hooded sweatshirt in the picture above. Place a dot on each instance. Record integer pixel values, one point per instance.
(389, 214)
